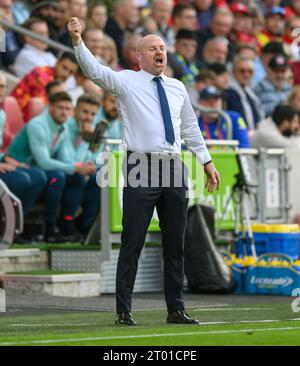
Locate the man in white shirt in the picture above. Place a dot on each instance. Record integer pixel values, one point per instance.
(34, 53)
(156, 112)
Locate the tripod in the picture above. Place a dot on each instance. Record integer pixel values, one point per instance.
(239, 195)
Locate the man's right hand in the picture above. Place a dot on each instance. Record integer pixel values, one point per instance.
(75, 29)
(85, 169)
(6, 168)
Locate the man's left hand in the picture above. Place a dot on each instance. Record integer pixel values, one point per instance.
(212, 177)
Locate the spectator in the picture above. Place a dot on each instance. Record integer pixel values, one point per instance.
(161, 12)
(274, 25)
(220, 26)
(62, 16)
(94, 40)
(13, 44)
(240, 97)
(34, 53)
(110, 54)
(76, 8)
(276, 131)
(97, 16)
(43, 143)
(214, 127)
(47, 11)
(220, 75)
(33, 84)
(109, 112)
(184, 17)
(129, 52)
(185, 51)
(271, 49)
(275, 88)
(205, 10)
(26, 183)
(215, 50)
(288, 38)
(80, 128)
(294, 99)
(204, 79)
(125, 14)
(243, 23)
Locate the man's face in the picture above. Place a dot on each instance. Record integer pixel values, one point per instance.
(110, 108)
(162, 11)
(215, 52)
(62, 14)
(243, 72)
(222, 81)
(130, 12)
(275, 24)
(78, 8)
(3, 86)
(99, 16)
(152, 55)
(221, 25)
(214, 103)
(60, 111)
(42, 30)
(186, 47)
(95, 42)
(279, 76)
(187, 20)
(242, 23)
(85, 114)
(64, 69)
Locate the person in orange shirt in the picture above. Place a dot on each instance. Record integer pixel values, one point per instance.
(34, 83)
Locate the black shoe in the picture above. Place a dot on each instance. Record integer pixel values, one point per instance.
(74, 237)
(181, 317)
(54, 237)
(125, 319)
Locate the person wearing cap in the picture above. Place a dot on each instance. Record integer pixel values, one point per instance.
(275, 87)
(274, 26)
(183, 57)
(239, 96)
(243, 23)
(213, 126)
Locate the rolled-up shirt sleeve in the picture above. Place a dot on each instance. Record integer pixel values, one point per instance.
(191, 134)
(103, 76)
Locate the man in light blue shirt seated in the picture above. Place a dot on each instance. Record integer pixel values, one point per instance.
(80, 129)
(213, 126)
(109, 114)
(26, 183)
(43, 143)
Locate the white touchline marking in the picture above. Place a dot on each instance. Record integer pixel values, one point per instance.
(71, 340)
(47, 341)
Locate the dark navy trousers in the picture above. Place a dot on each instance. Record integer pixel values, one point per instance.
(138, 206)
(26, 183)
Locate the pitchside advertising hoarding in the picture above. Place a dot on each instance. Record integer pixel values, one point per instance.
(225, 162)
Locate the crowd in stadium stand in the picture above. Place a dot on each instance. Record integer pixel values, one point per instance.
(242, 57)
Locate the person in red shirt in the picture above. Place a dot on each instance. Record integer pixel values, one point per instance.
(34, 83)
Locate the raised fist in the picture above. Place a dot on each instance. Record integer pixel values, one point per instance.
(75, 29)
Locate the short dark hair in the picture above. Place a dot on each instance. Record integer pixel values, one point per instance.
(33, 20)
(217, 68)
(180, 8)
(88, 98)
(52, 84)
(283, 112)
(68, 56)
(59, 97)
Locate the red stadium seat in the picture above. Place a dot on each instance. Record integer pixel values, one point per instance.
(35, 107)
(14, 120)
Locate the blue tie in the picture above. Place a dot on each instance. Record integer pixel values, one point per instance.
(165, 110)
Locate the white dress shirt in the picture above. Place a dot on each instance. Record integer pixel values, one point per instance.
(139, 107)
(31, 57)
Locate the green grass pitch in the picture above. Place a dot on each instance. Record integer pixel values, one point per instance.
(267, 324)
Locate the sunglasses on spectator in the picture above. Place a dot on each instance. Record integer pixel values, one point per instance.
(246, 71)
